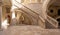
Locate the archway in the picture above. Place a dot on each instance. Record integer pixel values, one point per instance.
(45, 6)
(52, 7)
(24, 19)
(27, 19)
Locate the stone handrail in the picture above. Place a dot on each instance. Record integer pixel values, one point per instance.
(24, 11)
(27, 7)
(52, 21)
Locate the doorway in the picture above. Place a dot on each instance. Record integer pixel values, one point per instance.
(58, 12)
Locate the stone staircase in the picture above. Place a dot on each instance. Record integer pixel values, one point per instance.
(35, 15)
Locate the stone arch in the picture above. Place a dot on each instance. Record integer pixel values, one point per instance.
(45, 6)
(27, 19)
(50, 3)
(47, 3)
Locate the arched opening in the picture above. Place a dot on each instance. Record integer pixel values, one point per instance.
(25, 19)
(53, 9)
(58, 12)
(58, 21)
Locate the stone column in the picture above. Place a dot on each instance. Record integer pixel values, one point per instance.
(0, 13)
(0, 16)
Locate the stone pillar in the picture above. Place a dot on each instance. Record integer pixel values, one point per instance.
(0, 16)
(0, 13)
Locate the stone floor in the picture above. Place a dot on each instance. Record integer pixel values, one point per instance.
(29, 30)
(1, 32)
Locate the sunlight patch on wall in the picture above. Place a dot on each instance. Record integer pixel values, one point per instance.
(13, 15)
(13, 1)
(4, 24)
(14, 4)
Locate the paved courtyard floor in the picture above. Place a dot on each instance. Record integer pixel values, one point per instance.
(29, 30)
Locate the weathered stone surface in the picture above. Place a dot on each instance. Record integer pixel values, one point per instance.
(30, 30)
